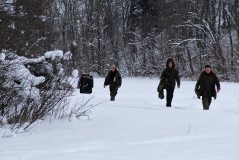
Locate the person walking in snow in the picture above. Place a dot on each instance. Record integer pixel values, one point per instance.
(89, 84)
(85, 84)
(206, 86)
(114, 80)
(81, 83)
(172, 76)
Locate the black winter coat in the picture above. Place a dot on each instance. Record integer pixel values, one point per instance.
(162, 85)
(172, 76)
(113, 78)
(207, 83)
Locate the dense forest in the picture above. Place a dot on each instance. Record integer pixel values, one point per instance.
(136, 35)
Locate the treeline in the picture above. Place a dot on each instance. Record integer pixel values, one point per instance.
(136, 35)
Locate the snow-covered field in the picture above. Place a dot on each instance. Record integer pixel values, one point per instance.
(137, 126)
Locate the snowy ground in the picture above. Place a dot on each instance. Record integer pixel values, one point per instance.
(137, 126)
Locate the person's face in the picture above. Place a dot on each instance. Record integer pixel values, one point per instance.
(208, 69)
(170, 64)
(112, 69)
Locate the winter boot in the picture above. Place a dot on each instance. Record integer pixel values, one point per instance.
(112, 98)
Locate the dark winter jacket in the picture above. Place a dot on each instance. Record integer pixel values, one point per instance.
(206, 84)
(162, 85)
(171, 74)
(90, 84)
(81, 83)
(113, 78)
(85, 84)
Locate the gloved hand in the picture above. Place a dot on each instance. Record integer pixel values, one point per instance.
(178, 86)
(196, 92)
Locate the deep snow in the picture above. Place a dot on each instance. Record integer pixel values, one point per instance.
(137, 126)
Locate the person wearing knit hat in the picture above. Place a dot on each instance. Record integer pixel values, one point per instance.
(205, 86)
(172, 76)
(114, 80)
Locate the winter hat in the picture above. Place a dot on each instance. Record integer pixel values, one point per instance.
(207, 66)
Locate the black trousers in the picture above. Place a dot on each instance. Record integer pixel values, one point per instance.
(206, 100)
(113, 90)
(169, 96)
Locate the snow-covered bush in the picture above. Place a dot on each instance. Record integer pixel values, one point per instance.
(2, 56)
(31, 89)
(82, 108)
